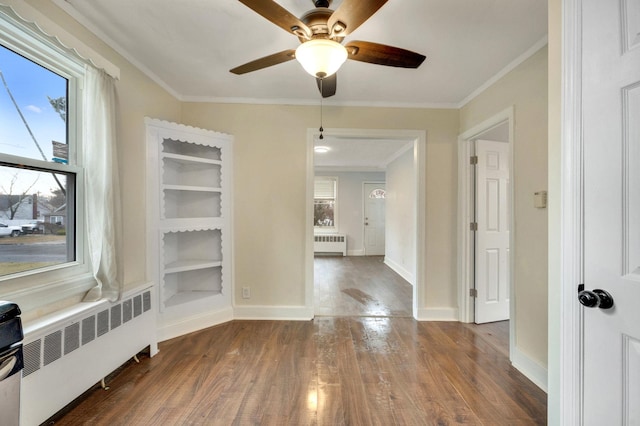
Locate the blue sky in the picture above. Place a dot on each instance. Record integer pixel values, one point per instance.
(30, 85)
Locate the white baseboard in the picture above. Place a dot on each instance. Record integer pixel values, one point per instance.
(398, 269)
(530, 368)
(437, 314)
(359, 252)
(193, 323)
(290, 313)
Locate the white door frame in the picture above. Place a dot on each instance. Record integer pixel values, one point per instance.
(466, 215)
(364, 202)
(565, 231)
(419, 138)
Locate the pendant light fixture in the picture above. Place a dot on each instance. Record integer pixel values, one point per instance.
(321, 57)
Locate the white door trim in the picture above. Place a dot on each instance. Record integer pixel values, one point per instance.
(419, 138)
(466, 216)
(565, 233)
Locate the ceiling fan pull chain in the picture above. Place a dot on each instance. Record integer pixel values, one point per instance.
(321, 128)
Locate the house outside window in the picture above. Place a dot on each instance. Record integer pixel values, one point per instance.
(325, 216)
(40, 167)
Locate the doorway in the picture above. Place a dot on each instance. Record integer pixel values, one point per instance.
(415, 142)
(374, 196)
(498, 128)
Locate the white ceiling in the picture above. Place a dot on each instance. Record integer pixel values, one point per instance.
(188, 47)
(358, 153)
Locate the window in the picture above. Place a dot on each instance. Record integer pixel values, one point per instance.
(378, 193)
(40, 170)
(324, 203)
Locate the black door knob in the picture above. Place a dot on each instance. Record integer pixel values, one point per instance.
(596, 299)
(588, 298)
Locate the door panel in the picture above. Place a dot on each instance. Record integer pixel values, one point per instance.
(374, 219)
(492, 235)
(611, 144)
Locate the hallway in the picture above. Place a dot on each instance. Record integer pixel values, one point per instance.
(359, 286)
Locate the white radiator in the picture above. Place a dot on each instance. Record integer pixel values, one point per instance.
(331, 243)
(67, 353)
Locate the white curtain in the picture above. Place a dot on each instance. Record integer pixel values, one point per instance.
(102, 187)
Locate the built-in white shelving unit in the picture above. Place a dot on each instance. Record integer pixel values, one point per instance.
(189, 225)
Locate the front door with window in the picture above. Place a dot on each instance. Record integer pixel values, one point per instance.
(611, 173)
(374, 219)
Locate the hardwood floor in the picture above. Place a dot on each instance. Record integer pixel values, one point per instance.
(359, 286)
(369, 363)
(329, 371)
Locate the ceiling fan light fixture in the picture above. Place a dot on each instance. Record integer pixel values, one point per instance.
(321, 57)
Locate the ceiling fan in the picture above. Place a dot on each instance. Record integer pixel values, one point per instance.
(321, 32)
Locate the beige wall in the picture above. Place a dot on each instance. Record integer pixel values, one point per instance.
(138, 96)
(270, 199)
(555, 138)
(400, 215)
(270, 172)
(526, 89)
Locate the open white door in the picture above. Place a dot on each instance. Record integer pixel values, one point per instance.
(611, 187)
(492, 235)
(374, 218)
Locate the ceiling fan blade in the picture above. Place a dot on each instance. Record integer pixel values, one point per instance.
(327, 85)
(381, 54)
(280, 16)
(267, 61)
(351, 14)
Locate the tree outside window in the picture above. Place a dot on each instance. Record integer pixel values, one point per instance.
(324, 202)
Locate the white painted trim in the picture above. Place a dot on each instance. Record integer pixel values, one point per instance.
(566, 355)
(356, 169)
(506, 70)
(276, 313)
(310, 230)
(400, 270)
(47, 26)
(466, 215)
(419, 138)
(359, 252)
(193, 323)
(396, 155)
(314, 102)
(530, 368)
(68, 8)
(437, 314)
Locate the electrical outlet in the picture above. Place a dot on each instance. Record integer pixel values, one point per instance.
(246, 292)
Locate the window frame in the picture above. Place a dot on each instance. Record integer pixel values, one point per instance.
(327, 229)
(36, 288)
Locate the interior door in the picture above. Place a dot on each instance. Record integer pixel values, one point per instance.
(492, 234)
(374, 218)
(611, 173)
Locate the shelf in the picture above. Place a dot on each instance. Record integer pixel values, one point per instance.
(191, 188)
(188, 159)
(183, 204)
(191, 250)
(179, 172)
(189, 222)
(190, 265)
(170, 146)
(195, 281)
(188, 296)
